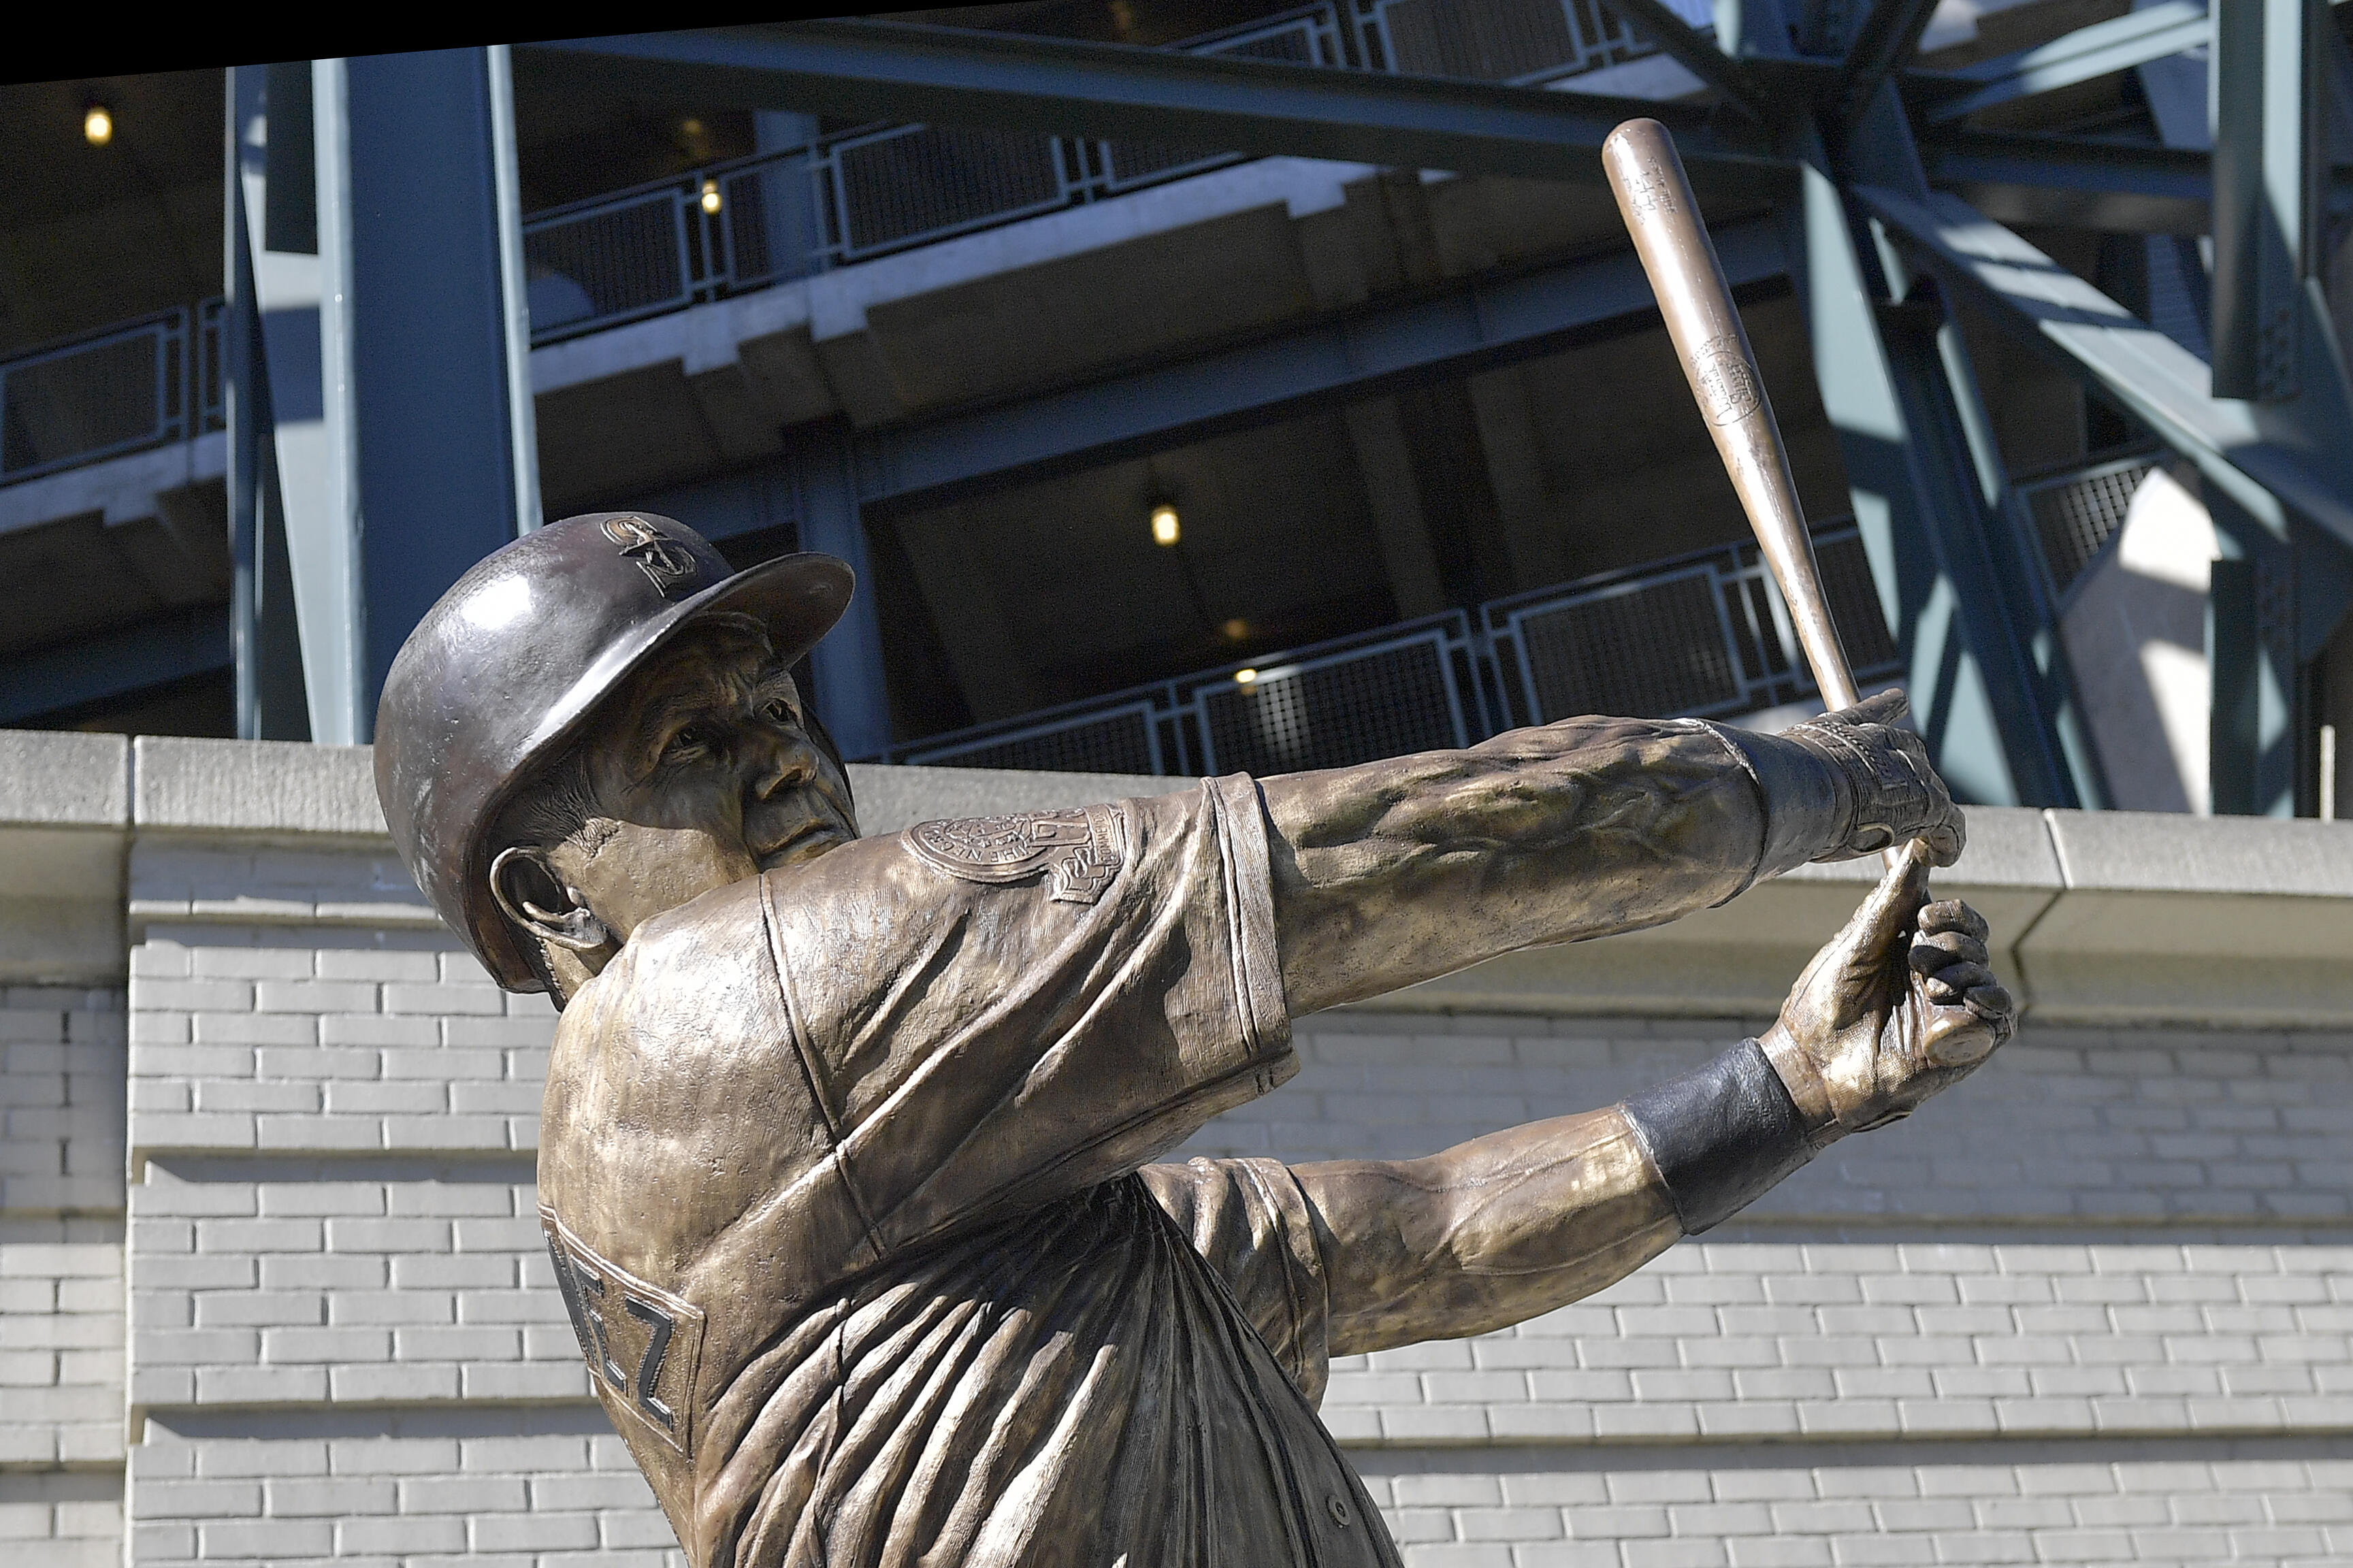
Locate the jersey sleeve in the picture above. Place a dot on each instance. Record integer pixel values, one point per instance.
(1251, 1225)
(997, 1011)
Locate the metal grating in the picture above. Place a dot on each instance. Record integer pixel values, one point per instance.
(1654, 648)
(107, 393)
(915, 180)
(1855, 608)
(1334, 712)
(1501, 40)
(1121, 741)
(2077, 514)
(609, 263)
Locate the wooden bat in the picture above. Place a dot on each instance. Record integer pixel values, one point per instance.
(1655, 199)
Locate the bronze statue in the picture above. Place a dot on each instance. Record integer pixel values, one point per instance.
(845, 1167)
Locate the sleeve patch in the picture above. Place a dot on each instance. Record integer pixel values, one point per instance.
(640, 1341)
(1077, 851)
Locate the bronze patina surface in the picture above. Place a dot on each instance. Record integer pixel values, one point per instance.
(848, 1161)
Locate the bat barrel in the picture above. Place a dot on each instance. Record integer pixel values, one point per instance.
(1655, 199)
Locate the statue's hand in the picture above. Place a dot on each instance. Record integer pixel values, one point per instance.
(1890, 790)
(1898, 1006)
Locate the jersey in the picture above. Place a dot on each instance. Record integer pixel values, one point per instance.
(844, 1172)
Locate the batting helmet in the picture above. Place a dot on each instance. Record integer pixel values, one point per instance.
(503, 672)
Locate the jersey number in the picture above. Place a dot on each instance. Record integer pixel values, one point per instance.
(640, 1338)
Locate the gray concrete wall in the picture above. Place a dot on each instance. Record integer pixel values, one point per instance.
(2096, 1305)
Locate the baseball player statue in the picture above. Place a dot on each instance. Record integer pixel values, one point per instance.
(847, 1164)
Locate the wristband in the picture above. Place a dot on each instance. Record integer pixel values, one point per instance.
(1720, 1136)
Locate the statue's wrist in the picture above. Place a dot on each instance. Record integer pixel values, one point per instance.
(1808, 800)
(1801, 1077)
(1720, 1136)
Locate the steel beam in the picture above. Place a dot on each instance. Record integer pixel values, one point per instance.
(851, 696)
(296, 452)
(432, 326)
(2023, 178)
(1886, 370)
(905, 71)
(271, 703)
(115, 664)
(1695, 52)
(2266, 151)
(2276, 468)
(1883, 44)
(392, 374)
(2085, 55)
(1473, 327)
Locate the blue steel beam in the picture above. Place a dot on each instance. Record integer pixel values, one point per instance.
(2277, 468)
(1883, 44)
(2026, 178)
(865, 69)
(431, 327)
(1695, 52)
(851, 698)
(115, 664)
(1988, 690)
(2265, 153)
(2088, 53)
(1369, 352)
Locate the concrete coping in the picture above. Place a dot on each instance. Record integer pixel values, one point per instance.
(285, 789)
(2099, 916)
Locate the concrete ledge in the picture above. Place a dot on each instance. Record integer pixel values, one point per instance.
(2100, 918)
(255, 787)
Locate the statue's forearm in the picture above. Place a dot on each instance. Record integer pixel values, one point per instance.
(1497, 1230)
(1401, 871)
(1490, 1232)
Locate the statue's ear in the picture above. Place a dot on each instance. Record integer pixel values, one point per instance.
(527, 887)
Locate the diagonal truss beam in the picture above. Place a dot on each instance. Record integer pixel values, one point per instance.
(1884, 43)
(2264, 464)
(903, 72)
(2085, 55)
(1695, 52)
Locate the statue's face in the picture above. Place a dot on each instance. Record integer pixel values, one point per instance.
(702, 773)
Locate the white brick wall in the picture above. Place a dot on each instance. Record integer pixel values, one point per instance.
(61, 1519)
(61, 1064)
(537, 1489)
(1930, 1346)
(268, 1282)
(2064, 1124)
(1764, 1505)
(61, 1258)
(255, 1039)
(1724, 1340)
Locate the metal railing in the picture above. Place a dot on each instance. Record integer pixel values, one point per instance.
(876, 189)
(137, 384)
(1407, 688)
(1702, 635)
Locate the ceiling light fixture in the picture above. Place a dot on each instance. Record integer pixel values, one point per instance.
(1244, 677)
(96, 125)
(710, 203)
(1163, 524)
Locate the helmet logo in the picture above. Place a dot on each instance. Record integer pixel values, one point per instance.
(663, 560)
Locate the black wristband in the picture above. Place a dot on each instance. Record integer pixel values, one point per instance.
(1721, 1136)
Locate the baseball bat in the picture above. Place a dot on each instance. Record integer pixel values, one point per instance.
(1655, 199)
